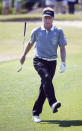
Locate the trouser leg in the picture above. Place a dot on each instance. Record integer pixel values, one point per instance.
(37, 109)
(46, 72)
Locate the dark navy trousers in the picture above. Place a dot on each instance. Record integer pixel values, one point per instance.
(46, 71)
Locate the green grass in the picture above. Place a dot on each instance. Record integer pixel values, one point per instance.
(11, 37)
(38, 17)
(18, 91)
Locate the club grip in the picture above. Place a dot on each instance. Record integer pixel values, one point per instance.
(24, 28)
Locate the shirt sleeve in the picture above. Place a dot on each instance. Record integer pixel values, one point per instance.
(62, 39)
(33, 37)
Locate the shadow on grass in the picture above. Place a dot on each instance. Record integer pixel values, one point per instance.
(64, 123)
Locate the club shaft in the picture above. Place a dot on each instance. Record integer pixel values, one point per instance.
(21, 65)
(24, 28)
(24, 36)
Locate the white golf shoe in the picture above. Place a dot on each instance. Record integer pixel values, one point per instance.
(55, 106)
(36, 119)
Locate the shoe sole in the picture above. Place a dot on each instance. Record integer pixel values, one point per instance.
(56, 107)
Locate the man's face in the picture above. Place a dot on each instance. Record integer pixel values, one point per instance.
(47, 21)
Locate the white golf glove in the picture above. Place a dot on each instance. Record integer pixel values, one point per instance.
(62, 67)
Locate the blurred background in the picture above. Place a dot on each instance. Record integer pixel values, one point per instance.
(25, 6)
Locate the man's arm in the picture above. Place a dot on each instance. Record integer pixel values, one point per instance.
(27, 49)
(63, 59)
(63, 53)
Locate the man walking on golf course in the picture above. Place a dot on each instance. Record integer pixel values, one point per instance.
(47, 38)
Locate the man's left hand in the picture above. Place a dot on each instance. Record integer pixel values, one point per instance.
(62, 67)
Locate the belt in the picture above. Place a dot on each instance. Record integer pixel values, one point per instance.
(48, 59)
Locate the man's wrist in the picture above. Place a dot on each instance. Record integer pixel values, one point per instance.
(63, 63)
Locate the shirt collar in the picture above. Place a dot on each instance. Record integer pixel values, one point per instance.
(42, 28)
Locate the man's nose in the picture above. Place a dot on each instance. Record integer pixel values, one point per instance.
(47, 20)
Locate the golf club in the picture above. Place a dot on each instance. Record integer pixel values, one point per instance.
(21, 66)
